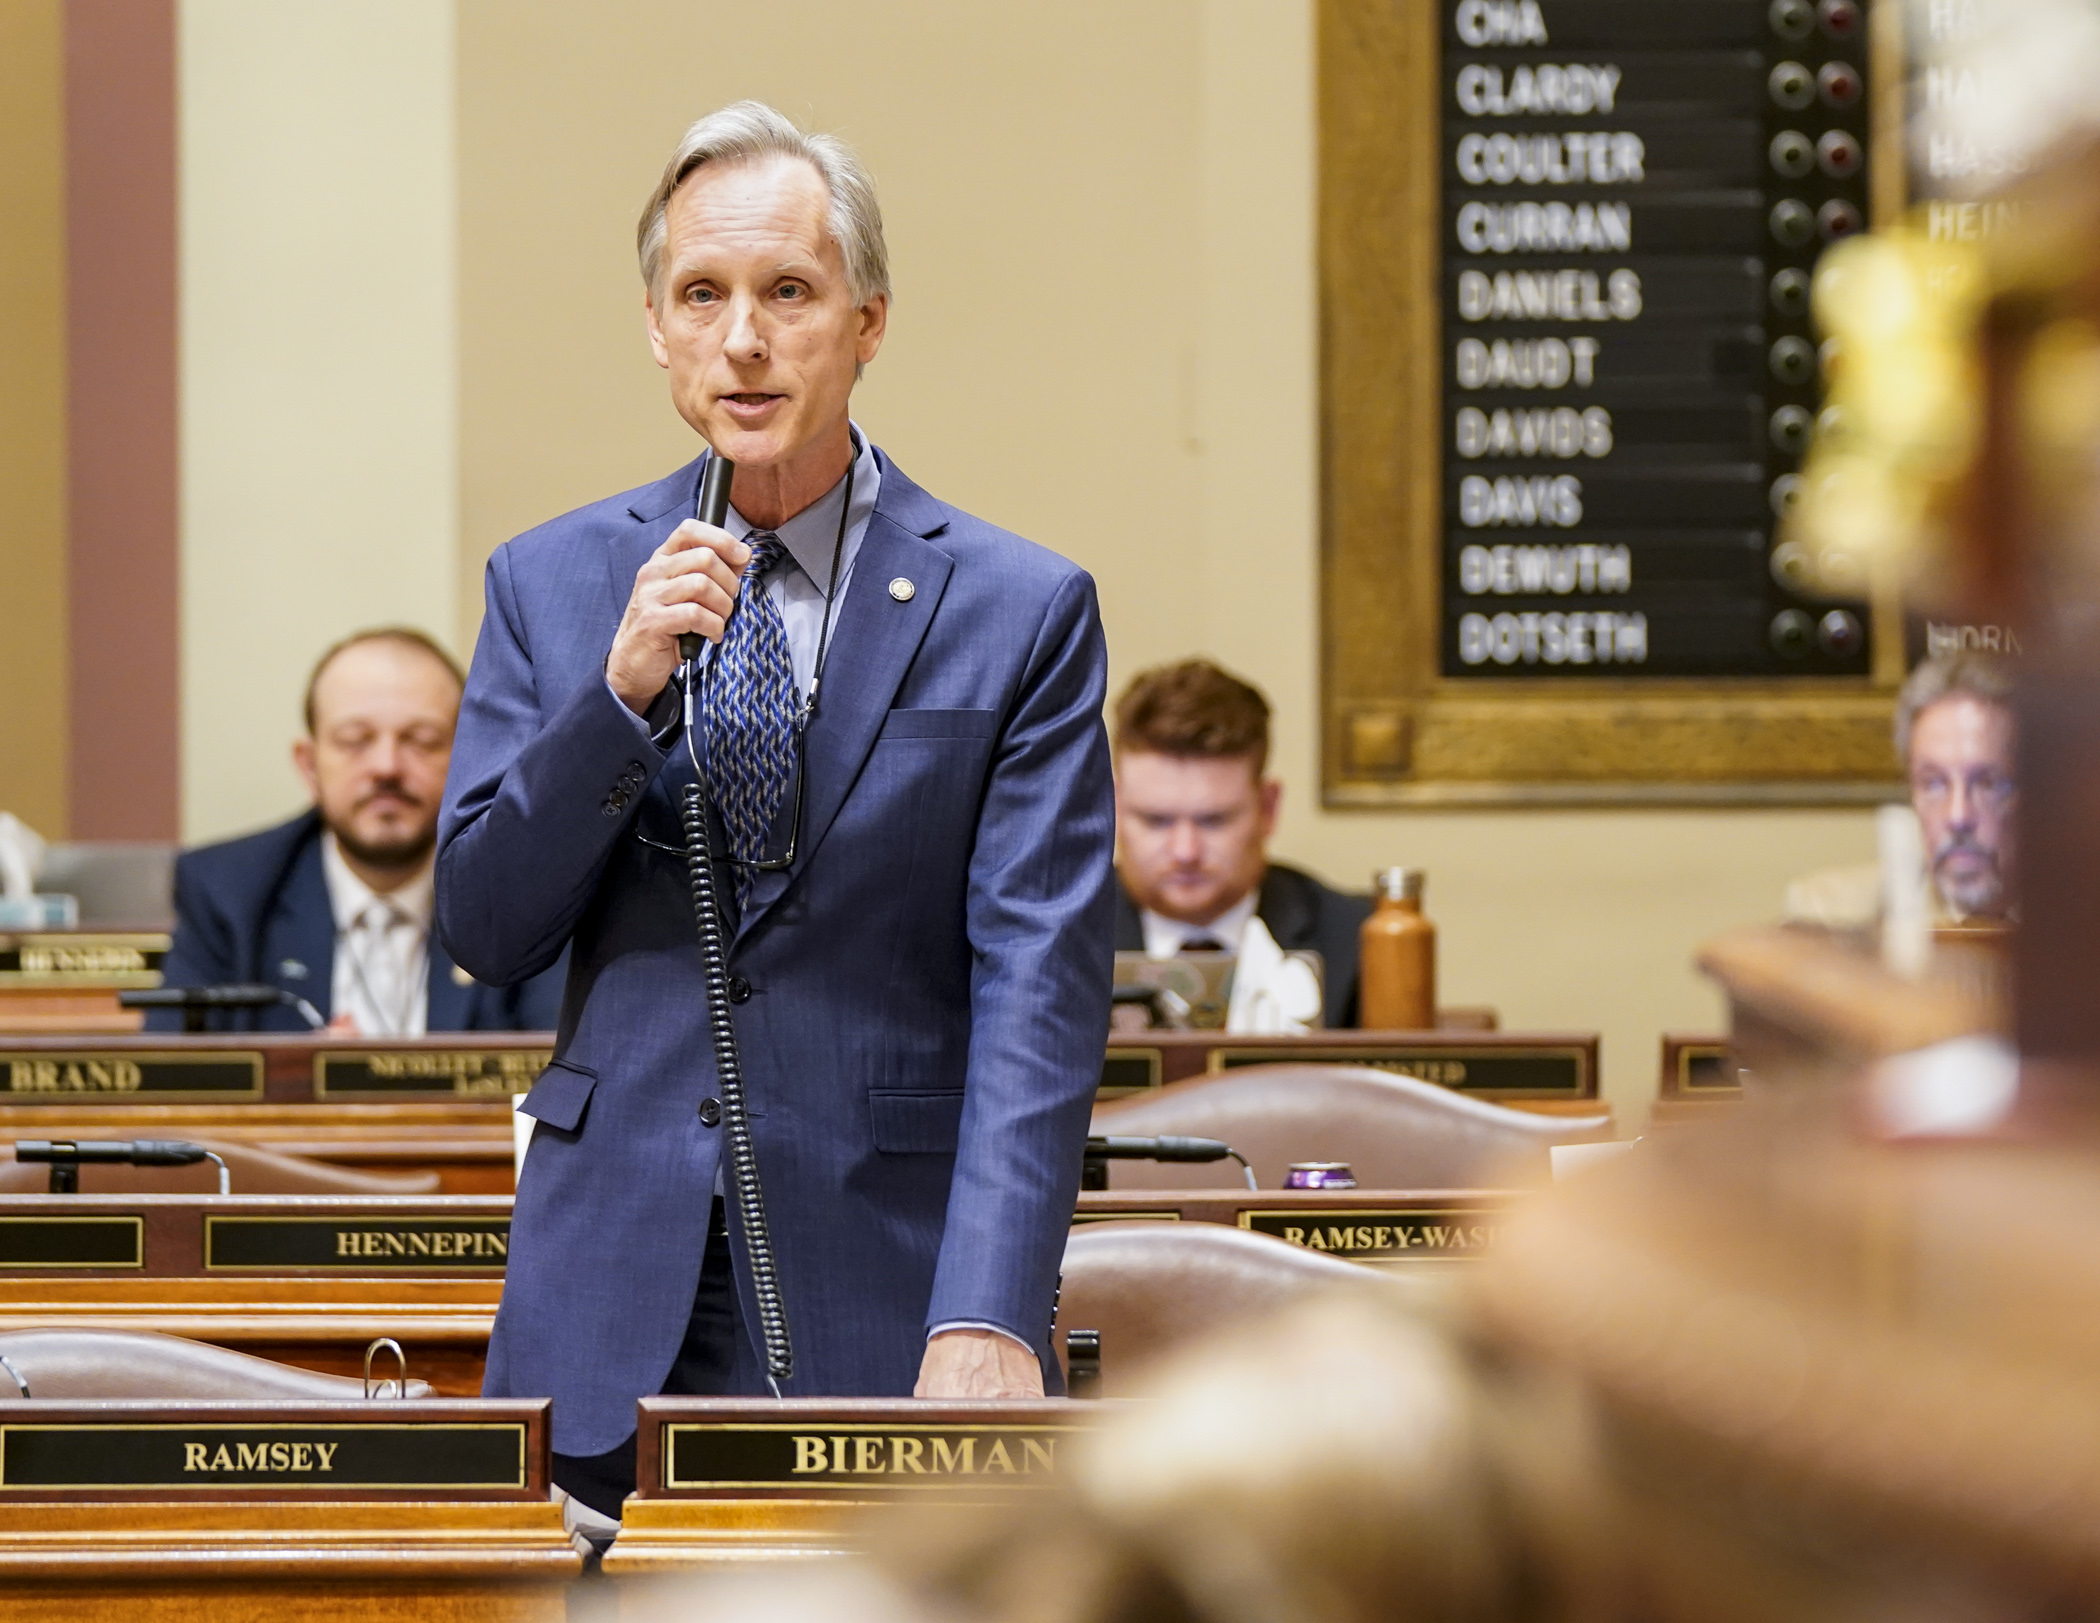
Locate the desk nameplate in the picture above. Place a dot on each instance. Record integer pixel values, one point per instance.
(91, 1076)
(72, 1242)
(356, 1245)
(279, 1458)
(85, 962)
(1703, 1069)
(1131, 1216)
(858, 1458)
(428, 1073)
(1387, 1236)
(1131, 1070)
(1506, 1070)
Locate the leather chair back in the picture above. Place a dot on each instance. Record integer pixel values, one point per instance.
(251, 1171)
(1395, 1132)
(1148, 1287)
(90, 1365)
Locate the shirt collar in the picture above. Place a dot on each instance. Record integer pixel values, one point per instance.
(349, 896)
(810, 535)
(1164, 936)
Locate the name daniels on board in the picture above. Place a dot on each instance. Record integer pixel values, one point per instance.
(284, 1458)
(1577, 88)
(1566, 295)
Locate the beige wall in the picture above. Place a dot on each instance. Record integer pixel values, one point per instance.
(33, 416)
(319, 365)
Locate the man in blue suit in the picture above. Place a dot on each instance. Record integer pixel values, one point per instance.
(334, 907)
(921, 890)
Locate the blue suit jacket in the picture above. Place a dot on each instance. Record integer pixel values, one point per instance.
(928, 987)
(256, 911)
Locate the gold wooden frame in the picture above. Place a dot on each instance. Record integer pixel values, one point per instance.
(1394, 731)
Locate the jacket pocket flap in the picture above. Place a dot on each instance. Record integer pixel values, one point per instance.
(940, 724)
(560, 1096)
(917, 1123)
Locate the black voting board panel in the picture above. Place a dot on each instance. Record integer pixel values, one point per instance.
(1633, 195)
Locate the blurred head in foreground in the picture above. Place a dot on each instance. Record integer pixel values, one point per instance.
(1954, 731)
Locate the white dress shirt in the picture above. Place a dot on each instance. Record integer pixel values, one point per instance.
(1166, 938)
(382, 948)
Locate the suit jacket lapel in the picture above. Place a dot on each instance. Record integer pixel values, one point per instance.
(875, 641)
(450, 1004)
(308, 932)
(658, 510)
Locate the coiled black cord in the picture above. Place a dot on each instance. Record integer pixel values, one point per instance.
(736, 1123)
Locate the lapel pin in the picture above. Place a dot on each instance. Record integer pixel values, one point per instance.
(292, 970)
(902, 589)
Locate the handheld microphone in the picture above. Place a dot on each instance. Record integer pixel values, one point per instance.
(65, 1157)
(197, 1001)
(714, 508)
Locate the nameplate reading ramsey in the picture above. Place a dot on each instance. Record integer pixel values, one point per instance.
(290, 1456)
(1547, 1071)
(72, 1242)
(1384, 1237)
(115, 961)
(356, 1244)
(75, 1077)
(435, 1073)
(861, 1458)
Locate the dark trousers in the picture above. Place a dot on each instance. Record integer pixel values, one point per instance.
(602, 1481)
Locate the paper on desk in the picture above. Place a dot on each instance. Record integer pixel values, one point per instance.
(1272, 995)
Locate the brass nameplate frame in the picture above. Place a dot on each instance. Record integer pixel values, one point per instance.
(1704, 1068)
(1391, 1236)
(284, 1457)
(1131, 1070)
(88, 962)
(858, 1458)
(355, 1245)
(137, 1076)
(428, 1073)
(1125, 1217)
(1506, 1071)
(72, 1242)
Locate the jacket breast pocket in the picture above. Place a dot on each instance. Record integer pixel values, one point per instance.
(939, 724)
(916, 1123)
(561, 1095)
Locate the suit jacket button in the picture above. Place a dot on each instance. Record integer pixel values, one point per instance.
(710, 1112)
(611, 808)
(739, 989)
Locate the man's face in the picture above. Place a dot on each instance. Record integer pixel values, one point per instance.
(1192, 832)
(375, 765)
(1961, 784)
(752, 317)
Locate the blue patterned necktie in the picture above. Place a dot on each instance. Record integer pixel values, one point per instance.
(751, 720)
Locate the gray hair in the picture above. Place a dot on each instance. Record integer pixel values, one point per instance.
(747, 130)
(1982, 677)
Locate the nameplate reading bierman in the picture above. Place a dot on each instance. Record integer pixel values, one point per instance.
(853, 1459)
(72, 1242)
(96, 1076)
(1506, 1071)
(356, 1244)
(288, 1457)
(442, 1073)
(1451, 1234)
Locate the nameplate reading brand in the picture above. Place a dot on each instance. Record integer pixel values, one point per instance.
(443, 1073)
(858, 1459)
(1130, 1070)
(1546, 1071)
(72, 1242)
(72, 1077)
(114, 961)
(291, 1456)
(356, 1244)
(1384, 1237)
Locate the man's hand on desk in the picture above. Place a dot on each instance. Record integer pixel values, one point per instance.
(688, 584)
(978, 1364)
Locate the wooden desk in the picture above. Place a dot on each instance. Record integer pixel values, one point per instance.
(727, 1480)
(139, 1512)
(68, 980)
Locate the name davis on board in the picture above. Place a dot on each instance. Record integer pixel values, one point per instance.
(1551, 502)
(1577, 158)
(1576, 87)
(1562, 295)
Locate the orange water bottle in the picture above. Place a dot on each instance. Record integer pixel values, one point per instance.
(1397, 985)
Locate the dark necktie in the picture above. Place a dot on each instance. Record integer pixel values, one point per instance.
(751, 722)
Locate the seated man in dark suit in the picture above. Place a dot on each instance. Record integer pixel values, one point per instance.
(335, 906)
(1193, 818)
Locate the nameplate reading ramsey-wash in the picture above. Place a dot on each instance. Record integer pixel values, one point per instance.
(356, 1245)
(120, 961)
(433, 1072)
(1547, 1071)
(1451, 1234)
(72, 1242)
(50, 1076)
(860, 1458)
(291, 1456)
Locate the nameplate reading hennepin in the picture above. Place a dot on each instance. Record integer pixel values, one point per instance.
(441, 1073)
(289, 1456)
(861, 1458)
(1388, 1237)
(354, 1245)
(1539, 1071)
(74, 1077)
